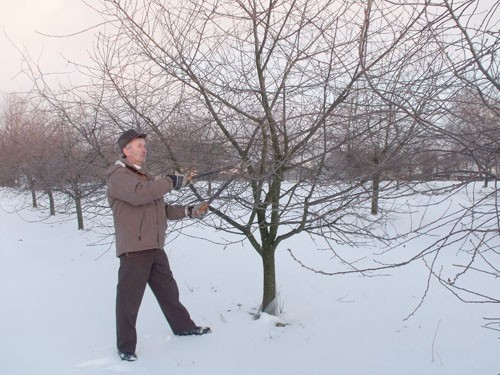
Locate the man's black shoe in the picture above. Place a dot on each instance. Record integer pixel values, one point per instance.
(196, 331)
(126, 356)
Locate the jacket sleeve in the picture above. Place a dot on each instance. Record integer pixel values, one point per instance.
(175, 211)
(126, 186)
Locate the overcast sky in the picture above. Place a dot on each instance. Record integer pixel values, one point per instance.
(22, 20)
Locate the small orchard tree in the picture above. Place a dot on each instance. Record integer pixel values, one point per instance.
(464, 100)
(27, 145)
(476, 140)
(469, 43)
(271, 81)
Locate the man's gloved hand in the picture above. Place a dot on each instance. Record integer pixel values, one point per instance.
(180, 180)
(197, 211)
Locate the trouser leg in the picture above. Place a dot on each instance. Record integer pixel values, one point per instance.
(164, 287)
(132, 279)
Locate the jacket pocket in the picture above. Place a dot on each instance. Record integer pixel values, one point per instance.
(141, 223)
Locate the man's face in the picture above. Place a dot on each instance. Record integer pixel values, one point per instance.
(136, 151)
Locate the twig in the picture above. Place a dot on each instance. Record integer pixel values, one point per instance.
(434, 343)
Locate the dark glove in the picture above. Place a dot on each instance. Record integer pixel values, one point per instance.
(197, 211)
(179, 180)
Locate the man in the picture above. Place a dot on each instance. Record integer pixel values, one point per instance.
(140, 218)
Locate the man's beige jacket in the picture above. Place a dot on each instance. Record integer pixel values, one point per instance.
(140, 214)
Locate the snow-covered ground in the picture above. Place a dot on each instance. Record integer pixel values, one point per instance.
(57, 294)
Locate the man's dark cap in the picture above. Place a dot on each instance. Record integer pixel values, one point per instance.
(128, 136)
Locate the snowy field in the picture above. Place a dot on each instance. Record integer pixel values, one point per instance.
(57, 292)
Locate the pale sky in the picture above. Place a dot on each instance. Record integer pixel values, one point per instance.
(22, 20)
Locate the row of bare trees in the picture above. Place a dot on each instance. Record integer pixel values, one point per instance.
(332, 106)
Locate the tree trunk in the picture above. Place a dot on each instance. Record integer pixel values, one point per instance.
(375, 186)
(269, 300)
(79, 212)
(33, 198)
(375, 193)
(51, 203)
(487, 176)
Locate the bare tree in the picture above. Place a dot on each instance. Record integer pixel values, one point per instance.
(477, 136)
(469, 38)
(272, 82)
(26, 143)
(463, 95)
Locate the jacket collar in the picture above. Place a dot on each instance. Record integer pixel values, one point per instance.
(126, 164)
